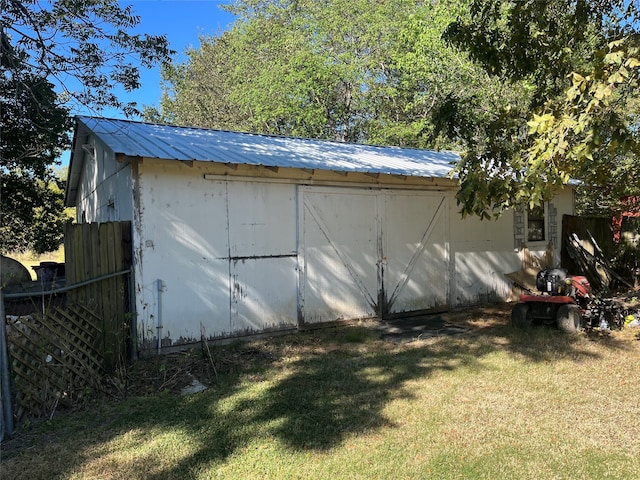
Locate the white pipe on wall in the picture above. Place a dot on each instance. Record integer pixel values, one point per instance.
(161, 285)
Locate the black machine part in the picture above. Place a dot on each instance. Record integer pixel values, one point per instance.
(552, 280)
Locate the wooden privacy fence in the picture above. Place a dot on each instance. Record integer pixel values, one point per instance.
(96, 250)
(59, 348)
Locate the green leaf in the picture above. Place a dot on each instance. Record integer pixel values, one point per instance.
(632, 62)
(617, 77)
(614, 58)
(602, 91)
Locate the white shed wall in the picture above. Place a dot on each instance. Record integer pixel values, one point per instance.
(105, 190)
(482, 252)
(219, 257)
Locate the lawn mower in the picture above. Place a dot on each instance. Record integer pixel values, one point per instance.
(567, 302)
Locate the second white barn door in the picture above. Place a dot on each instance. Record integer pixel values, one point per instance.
(416, 252)
(365, 253)
(338, 253)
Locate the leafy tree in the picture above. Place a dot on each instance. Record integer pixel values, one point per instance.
(350, 70)
(83, 46)
(580, 60)
(294, 67)
(435, 96)
(199, 92)
(54, 57)
(317, 63)
(376, 72)
(33, 130)
(33, 213)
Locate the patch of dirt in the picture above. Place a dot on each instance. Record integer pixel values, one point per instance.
(174, 372)
(485, 318)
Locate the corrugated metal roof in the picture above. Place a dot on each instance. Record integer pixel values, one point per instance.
(137, 139)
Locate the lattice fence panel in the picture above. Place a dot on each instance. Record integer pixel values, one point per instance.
(54, 357)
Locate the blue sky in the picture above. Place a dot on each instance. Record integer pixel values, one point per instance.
(183, 22)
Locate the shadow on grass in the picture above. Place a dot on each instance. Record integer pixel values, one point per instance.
(319, 401)
(313, 399)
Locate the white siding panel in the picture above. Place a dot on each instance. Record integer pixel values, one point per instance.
(262, 219)
(105, 192)
(87, 200)
(479, 276)
(262, 255)
(226, 252)
(359, 244)
(481, 253)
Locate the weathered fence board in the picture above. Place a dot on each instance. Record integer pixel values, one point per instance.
(92, 251)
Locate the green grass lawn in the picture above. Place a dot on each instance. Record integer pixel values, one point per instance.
(340, 403)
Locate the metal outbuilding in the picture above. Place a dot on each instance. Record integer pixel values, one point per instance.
(237, 233)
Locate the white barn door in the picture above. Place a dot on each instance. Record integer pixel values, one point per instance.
(416, 252)
(262, 257)
(365, 253)
(338, 254)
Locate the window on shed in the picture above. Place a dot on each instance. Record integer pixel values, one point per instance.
(535, 224)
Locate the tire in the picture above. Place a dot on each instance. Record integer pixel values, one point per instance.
(521, 316)
(569, 318)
